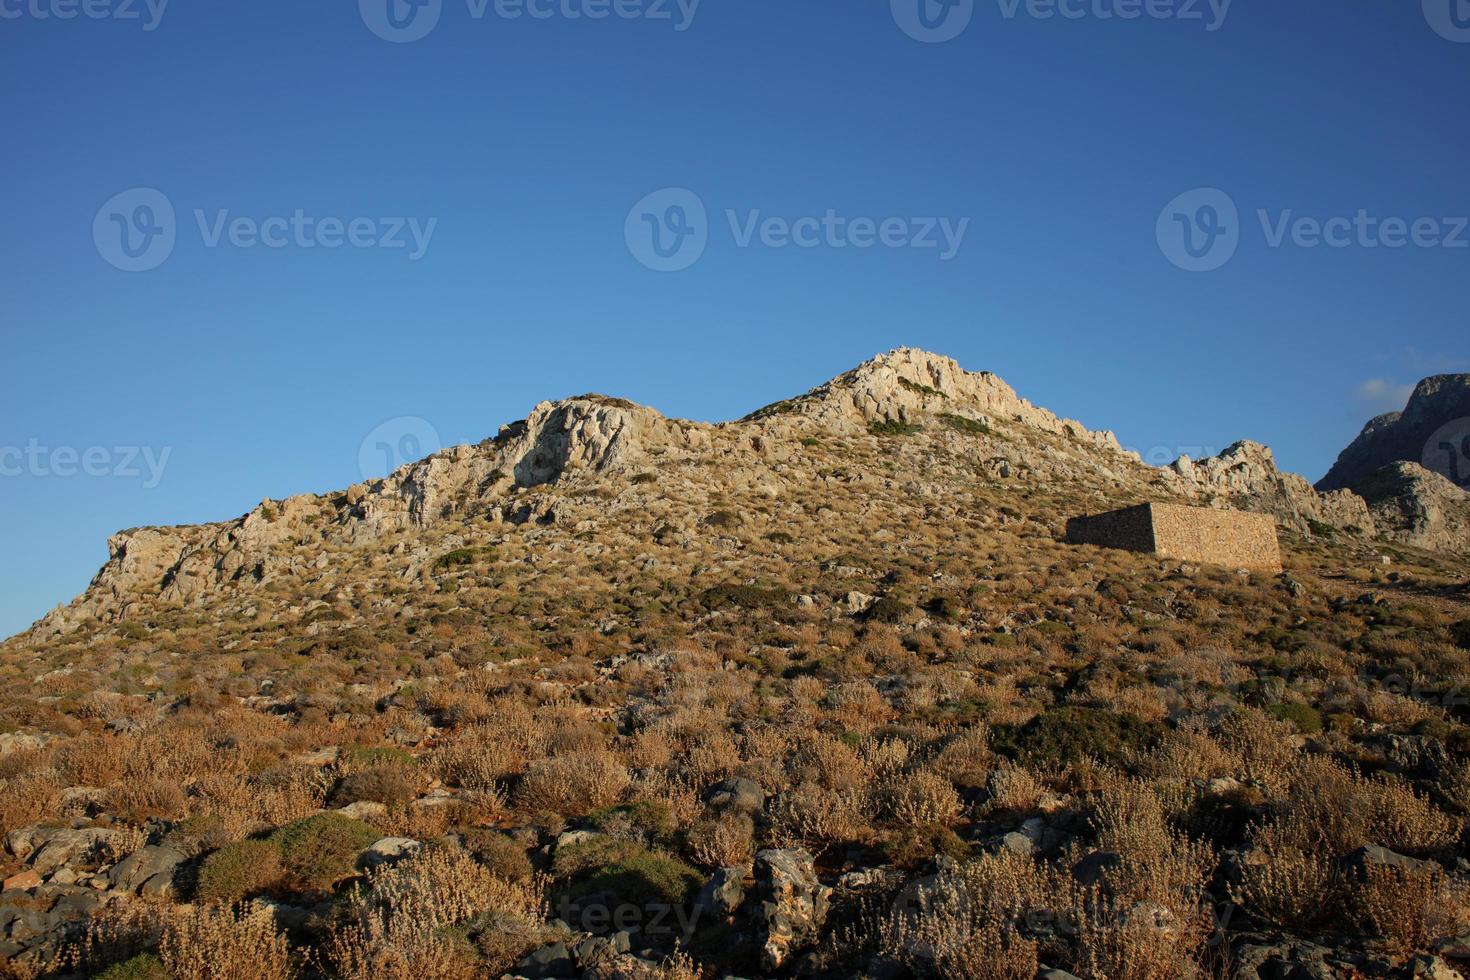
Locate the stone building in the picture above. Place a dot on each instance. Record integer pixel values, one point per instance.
(1195, 534)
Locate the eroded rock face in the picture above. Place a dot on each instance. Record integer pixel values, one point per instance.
(1245, 477)
(1417, 507)
(905, 383)
(1431, 431)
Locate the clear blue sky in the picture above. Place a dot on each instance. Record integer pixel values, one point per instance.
(261, 370)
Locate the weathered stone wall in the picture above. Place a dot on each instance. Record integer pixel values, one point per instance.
(1195, 534)
(1131, 529)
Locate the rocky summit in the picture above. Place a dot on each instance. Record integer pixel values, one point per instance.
(821, 692)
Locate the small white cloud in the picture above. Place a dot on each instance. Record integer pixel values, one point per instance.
(1383, 394)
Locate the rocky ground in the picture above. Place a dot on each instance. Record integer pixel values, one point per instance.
(821, 692)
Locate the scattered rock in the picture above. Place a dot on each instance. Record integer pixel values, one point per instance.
(793, 903)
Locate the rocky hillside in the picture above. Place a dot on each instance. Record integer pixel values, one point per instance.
(1432, 431)
(551, 469)
(821, 693)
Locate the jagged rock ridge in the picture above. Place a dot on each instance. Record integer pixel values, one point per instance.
(547, 469)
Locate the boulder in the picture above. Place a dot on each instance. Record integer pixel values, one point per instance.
(738, 795)
(148, 871)
(390, 850)
(792, 904)
(723, 893)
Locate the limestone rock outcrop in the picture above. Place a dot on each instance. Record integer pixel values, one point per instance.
(1245, 477)
(1417, 507)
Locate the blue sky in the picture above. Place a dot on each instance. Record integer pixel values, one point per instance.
(1067, 147)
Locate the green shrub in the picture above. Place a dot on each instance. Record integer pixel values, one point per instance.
(458, 558)
(887, 610)
(742, 597)
(501, 854)
(144, 966)
(893, 427)
(238, 871)
(319, 851)
(919, 389)
(967, 426)
(633, 873)
(1306, 718)
(1071, 733)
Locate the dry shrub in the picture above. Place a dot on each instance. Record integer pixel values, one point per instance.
(679, 794)
(1013, 789)
(813, 814)
(92, 760)
(1136, 939)
(1263, 747)
(24, 800)
(137, 800)
(922, 800)
(1288, 887)
(966, 760)
(573, 785)
(857, 706)
(964, 923)
(724, 842)
(1410, 909)
(211, 943)
(397, 921)
(1332, 809)
(831, 763)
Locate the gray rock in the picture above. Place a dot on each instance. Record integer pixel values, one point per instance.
(1375, 856)
(737, 794)
(548, 962)
(1091, 869)
(390, 850)
(723, 893)
(148, 871)
(793, 904)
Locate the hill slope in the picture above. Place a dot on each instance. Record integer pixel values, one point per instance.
(816, 693)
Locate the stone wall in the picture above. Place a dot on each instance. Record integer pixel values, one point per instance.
(1194, 534)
